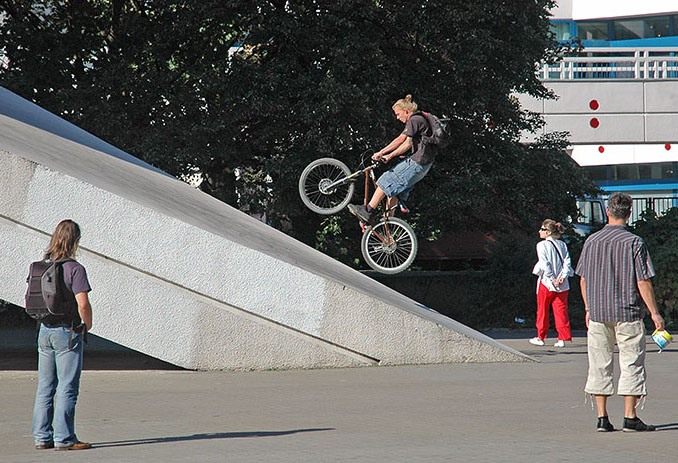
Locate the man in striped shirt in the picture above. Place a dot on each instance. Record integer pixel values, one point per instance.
(615, 269)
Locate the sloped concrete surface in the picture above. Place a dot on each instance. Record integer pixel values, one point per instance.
(180, 276)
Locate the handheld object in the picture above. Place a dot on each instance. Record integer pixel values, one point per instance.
(661, 338)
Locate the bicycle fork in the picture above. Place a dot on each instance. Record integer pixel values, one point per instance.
(384, 240)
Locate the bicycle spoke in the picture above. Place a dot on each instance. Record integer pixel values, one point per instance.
(316, 190)
(396, 254)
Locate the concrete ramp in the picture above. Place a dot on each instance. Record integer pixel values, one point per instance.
(181, 276)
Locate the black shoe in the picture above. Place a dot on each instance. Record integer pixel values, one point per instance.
(635, 424)
(44, 445)
(360, 211)
(604, 424)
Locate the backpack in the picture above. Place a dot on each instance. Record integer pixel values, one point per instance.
(440, 131)
(47, 298)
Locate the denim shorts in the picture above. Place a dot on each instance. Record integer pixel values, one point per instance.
(400, 180)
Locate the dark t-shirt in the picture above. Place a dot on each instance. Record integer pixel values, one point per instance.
(415, 128)
(75, 277)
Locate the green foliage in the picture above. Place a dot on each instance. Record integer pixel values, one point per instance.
(331, 239)
(510, 290)
(660, 236)
(263, 88)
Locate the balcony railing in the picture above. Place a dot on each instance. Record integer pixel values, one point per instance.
(658, 205)
(615, 63)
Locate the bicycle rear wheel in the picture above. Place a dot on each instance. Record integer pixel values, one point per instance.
(314, 186)
(396, 252)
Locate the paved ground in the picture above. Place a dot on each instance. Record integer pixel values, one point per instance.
(442, 413)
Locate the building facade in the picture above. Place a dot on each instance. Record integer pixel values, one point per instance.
(618, 96)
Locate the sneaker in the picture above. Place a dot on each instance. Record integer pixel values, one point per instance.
(559, 343)
(360, 211)
(604, 424)
(403, 207)
(635, 424)
(536, 342)
(75, 446)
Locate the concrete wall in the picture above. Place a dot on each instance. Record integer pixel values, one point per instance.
(625, 111)
(182, 277)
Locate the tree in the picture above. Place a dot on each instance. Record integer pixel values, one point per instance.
(248, 93)
(662, 242)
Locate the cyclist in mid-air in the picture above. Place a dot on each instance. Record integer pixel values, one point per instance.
(399, 181)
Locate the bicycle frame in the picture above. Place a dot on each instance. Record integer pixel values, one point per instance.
(352, 177)
(369, 174)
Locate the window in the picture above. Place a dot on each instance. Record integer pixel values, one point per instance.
(645, 28)
(592, 31)
(590, 212)
(627, 172)
(657, 171)
(597, 213)
(561, 30)
(597, 173)
(668, 169)
(651, 171)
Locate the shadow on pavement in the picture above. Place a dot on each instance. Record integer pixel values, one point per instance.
(18, 352)
(667, 427)
(219, 435)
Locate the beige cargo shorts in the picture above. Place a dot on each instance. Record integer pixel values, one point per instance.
(630, 338)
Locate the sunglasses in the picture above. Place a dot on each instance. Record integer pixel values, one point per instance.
(543, 229)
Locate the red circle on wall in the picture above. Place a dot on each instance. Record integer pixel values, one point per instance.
(593, 104)
(594, 122)
(601, 149)
(667, 146)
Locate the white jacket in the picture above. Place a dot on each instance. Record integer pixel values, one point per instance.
(554, 262)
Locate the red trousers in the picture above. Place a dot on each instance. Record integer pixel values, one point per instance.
(545, 299)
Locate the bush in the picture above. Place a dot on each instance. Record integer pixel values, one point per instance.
(493, 297)
(661, 239)
(510, 272)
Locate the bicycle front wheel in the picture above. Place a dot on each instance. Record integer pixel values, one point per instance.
(318, 188)
(389, 247)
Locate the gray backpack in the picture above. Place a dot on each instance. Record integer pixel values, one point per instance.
(440, 131)
(47, 298)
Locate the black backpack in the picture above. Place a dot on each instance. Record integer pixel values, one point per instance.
(440, 131)
(47, 298)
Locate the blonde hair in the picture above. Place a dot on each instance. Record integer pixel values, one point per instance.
(556, 228)
(64, 241)
(406, 104)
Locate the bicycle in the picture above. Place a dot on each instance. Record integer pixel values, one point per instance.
(326, 186)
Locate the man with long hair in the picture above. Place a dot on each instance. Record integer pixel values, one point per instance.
(60, 349)
(398, 182)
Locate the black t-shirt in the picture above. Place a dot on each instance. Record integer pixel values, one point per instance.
(415, 128)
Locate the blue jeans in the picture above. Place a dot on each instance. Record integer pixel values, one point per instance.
(59, 370)
(400, 180)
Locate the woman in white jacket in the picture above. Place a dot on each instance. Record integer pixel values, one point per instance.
(553, 268)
